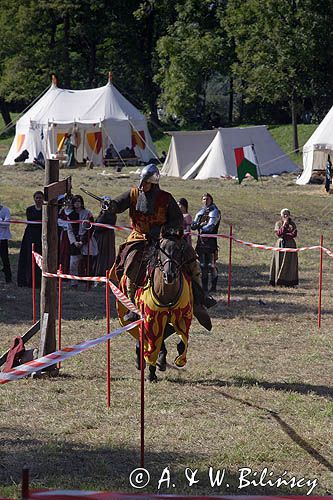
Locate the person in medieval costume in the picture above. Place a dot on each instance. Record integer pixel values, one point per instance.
(32, 235)
(150, 208)
(83, 246)
(328, 174)
(5, 235)
(64, 245)
(105, 238)
(284, 266)
(207, 221)
(70, 150)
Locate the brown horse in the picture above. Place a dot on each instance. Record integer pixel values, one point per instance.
(165, 298)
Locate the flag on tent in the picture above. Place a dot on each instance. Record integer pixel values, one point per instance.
(138, 138)
(95, 141)
(246, 162)
(20, 141)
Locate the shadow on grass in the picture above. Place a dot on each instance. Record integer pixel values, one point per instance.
(62, 464)
(78, 305)
(249, 276)
(319, 390)
(294, 436)
(256, 308)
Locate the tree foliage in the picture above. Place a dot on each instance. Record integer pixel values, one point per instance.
(172, 53)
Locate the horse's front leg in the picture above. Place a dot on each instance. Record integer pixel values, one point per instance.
(152, 377)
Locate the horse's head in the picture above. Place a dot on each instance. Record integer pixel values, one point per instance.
(170, 256)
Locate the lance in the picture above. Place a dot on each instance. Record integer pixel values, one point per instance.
(92, 195)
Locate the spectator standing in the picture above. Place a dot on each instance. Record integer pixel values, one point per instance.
(5, 235)
(187, 219)
(328, 174)
(284, 265)
(64, 245)
(83, 246)
(32, 234)
(207, 221)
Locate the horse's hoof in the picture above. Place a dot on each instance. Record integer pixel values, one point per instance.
(179, 362)
(161, 362)
(152, 377)
(180, 348)
(152, 374)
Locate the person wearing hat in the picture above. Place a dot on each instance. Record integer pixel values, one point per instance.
(150, 208)
(284, 265)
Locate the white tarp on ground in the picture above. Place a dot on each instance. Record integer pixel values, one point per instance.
(217, 159)
(317, 148)
(96, 117)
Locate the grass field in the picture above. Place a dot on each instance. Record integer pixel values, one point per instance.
(256, 392)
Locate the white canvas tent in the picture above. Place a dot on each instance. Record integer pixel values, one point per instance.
(95, 117)
(217, 159)
(317, 148)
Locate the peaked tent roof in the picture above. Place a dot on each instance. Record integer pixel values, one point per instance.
(103, 108)
(185, 148)
(82, 106)
(218, 159)
(321, 140)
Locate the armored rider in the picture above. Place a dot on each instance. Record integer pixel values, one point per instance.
(150, 208)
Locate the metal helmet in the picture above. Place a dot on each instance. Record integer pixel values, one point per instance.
(150, 173)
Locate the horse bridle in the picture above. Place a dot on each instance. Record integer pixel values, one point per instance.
(161, 264)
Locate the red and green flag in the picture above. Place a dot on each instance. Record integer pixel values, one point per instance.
(246, 162)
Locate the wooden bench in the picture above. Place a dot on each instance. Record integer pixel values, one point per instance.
(119, 163)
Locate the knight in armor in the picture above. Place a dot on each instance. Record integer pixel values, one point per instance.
(207, 221)
(150, 208)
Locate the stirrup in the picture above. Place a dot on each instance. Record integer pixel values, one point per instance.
(131, 316)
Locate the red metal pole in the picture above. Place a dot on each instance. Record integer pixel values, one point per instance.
(107, 314)
(59, 310)
(230, 264)
(142, 389)
(320, 279)
(33, 283)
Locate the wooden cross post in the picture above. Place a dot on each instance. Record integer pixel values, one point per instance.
(48, 294)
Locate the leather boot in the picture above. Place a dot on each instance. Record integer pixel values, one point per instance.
(201, 313)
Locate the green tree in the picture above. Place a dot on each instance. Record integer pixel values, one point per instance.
(277, 43)
(190, 54)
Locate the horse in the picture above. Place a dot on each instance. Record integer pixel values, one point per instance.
(164, 300)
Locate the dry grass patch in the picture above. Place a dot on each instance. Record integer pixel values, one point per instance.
(257, 391)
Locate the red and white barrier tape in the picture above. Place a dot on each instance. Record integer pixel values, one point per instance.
(224, 236)
(101, 279)
(61, 355)
(123, 299)
(87, 222)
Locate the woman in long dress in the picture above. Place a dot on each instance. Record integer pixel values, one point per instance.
(64, 245)
(32, 234)
(284, 265)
